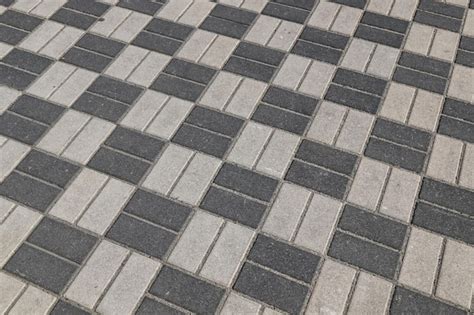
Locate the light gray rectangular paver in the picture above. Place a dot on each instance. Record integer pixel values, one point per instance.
(132, 25)
(445, 44)
(457, 274)
(110, 21)
(400, 194)
(197, 45)
(195, 241)
(419, 38)
(236, 304)
(368, 183)
(371, 295)
(8, 97)
(174, 9)
(196, 178)
(78, 195)
(445, 158)
(420, 262)
(87, 142)
(220, 90)
(170, 118)
(466, 177)
(11, 154)
(6, 206)
(246, 98)
(15, 229)
(4, 50)
(129, 286)
(33, 301)
(51, 79)
(318, 223)
(461, 83)
(250, 144)
(126, 62)
(292, 71)
(227, 254)
(58, 137)
(61, 42)
(219, 51)
(327, 122)
(358, 54)
(196, 13)
(144, 110)
(167, 170)
(332, 289)
(380, 6)
(383, 61)
(355, 131)
(286, 211)
(25, 5)
(262, 30)
(149, 68)
(324, 15)
(285, 35)
(47, 7)
(468, 28)
(398, 102)
(98, 271)
(73, 87)
(108, 203)
(317, 78)
(426, 110)
(346, 20)
(11, 288)
(278, 153)
(404, 9)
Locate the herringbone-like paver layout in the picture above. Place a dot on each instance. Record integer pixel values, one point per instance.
(236, 156)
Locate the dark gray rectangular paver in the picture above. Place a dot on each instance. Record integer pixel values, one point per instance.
(290, 100)
(170, 29)
(250, 68)
(285, 12)
(15, 78)
(27, 61)
(202, 140)
(186, 291)
(100, 106)
(352, 98)
(214, 121)
(86, 59)
(115, 89)
(282, 119)
(157, 43)
(64, 308)
(91, 7)
(20, 20)
(73, 18)
(37, 109)
(402, 134)
(102, 45)
(149, 7)
(360, 81)
(20, 129)
(178, 87)
(150, 307)
(11, 35)
(135, 143)
(189, 71)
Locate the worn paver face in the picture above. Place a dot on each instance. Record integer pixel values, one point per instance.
(236, 157)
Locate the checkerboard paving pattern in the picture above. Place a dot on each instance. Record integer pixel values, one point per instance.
(236, 156)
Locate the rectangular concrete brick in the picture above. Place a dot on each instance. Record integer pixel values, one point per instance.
(286, 211)
(4, 50)
(457, 274)
(219, 51)
(380, 6)
(236, 304)
(6, 207)
(145, 109)
(173, 10)
(15, 229)
(358, 54)
(170, 118)
(371, 295)
(51, 79)
(126, 62)
(41, 36)
(78, 195)
(33, 301)
(132, 25)
(263, 29)
(167, 170)
(103, 210)
(400, 194)
(466, 177)
(292, 71)
(196, 13)
(324, 15)
(254, 5)
(110, 21)
(285, 35)
(347, 20)
(97, 273)
(197, 45)
(11, 154)
(129, 286)
(327, 122)
(196, 178)
(318, 223)
(142, 74)
(404, 9)
(8, 97)
(250, 144)
(221, 90)
(246, 98)
(25, 5)
(58, 137)
(195, 241)
(445, 158)
(419, 38)
(426, 110)
(398, 102)
(368, 183)
(444, 45)
(461, 83)
(278, 153)
(11, 288)
(61, 42)
(355, 131)
(73, 87)
(47, 8)
(227, 254)
(332, 289)
(317, 78)
(469, 24)
(420, 263)
(88, 141)
(383, 61)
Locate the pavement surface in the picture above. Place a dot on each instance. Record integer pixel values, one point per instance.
(236, 157)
